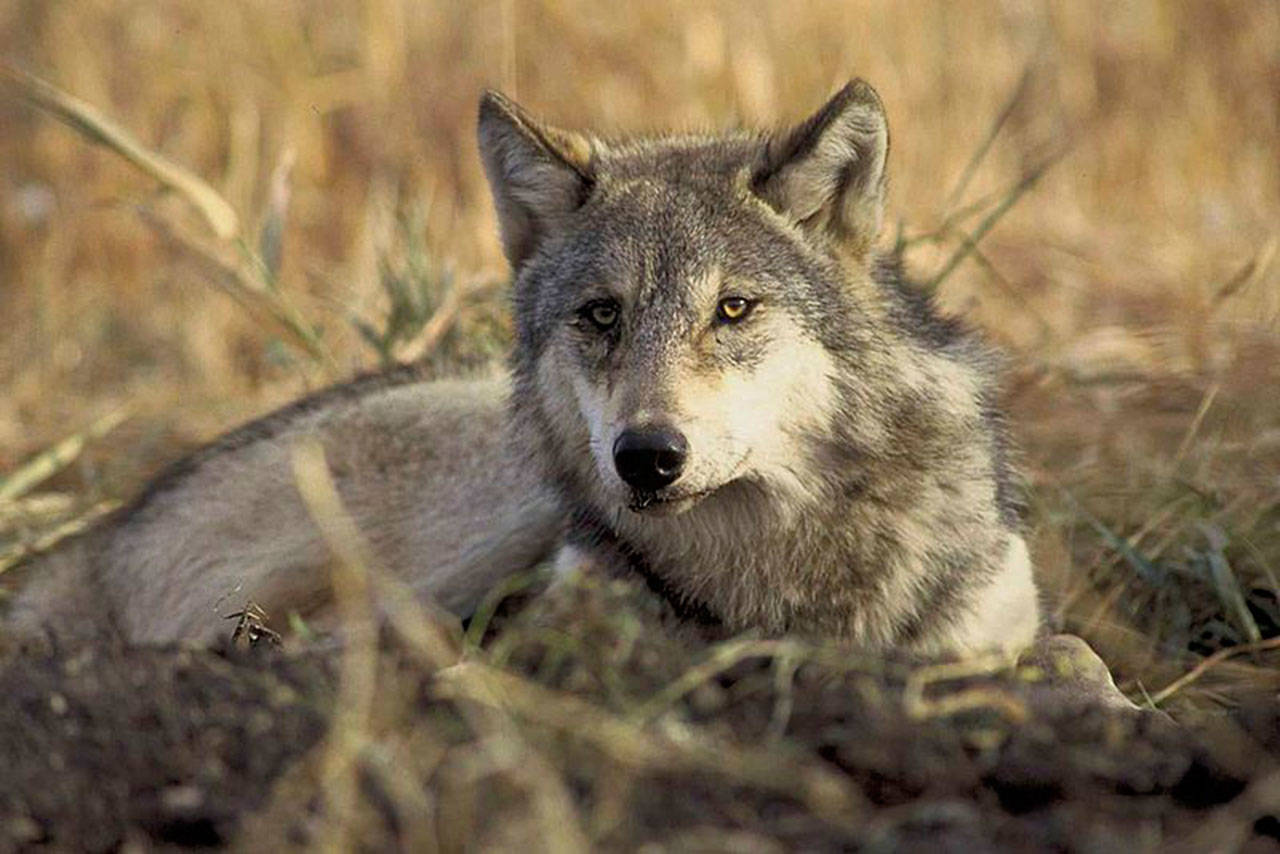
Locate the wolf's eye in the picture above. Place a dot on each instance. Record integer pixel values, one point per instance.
(733, 309)
(602, 313)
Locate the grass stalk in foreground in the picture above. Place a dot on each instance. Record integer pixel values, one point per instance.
(53, 460)
(60, 521)
(257, 287)
(357, 583)
(96, 127)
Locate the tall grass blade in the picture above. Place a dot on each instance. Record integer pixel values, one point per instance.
(980, 154)
(96, 127)
(970, 242)
(53, 460)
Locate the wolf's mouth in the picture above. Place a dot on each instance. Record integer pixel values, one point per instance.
(671, 503)
(657, 504)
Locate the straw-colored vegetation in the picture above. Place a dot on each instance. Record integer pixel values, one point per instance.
(207, 209)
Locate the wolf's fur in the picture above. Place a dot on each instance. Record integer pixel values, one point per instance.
(846, 470)
(424, 468)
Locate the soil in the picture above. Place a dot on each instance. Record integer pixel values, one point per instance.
(160, 749)
(102, 747)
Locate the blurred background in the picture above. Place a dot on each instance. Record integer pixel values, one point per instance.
(1134, 284)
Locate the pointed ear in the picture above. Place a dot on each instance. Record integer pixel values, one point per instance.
(538, 174)
(828, 173)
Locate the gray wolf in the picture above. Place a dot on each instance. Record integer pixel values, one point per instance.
(717, 382)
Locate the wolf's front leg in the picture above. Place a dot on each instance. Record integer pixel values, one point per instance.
(573, 560)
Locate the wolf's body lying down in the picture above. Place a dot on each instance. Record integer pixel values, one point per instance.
(717, 382)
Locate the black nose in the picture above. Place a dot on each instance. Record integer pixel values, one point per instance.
(650, 458)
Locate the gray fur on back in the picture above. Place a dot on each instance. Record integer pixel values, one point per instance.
(424, 469)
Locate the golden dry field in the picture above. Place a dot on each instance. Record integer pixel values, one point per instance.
(1095, 185)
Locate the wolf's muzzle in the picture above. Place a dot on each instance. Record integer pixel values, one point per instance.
(650, 458)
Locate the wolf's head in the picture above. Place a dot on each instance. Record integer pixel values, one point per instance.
(684, 303)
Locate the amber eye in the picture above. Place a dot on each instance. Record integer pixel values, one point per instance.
(602, 313)
(733, 309)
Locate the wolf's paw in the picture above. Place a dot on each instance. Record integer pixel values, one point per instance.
(1065, 672)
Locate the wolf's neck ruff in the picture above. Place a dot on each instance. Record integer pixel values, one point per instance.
(588, 530)
(884, 531)
(826, 457)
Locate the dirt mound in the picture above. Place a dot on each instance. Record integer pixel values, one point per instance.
(588, 720)
(101, 747)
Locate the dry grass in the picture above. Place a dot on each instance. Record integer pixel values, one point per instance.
(1135, 286)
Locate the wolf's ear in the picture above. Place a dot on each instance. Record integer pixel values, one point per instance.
(828, 173)
(538, 174)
